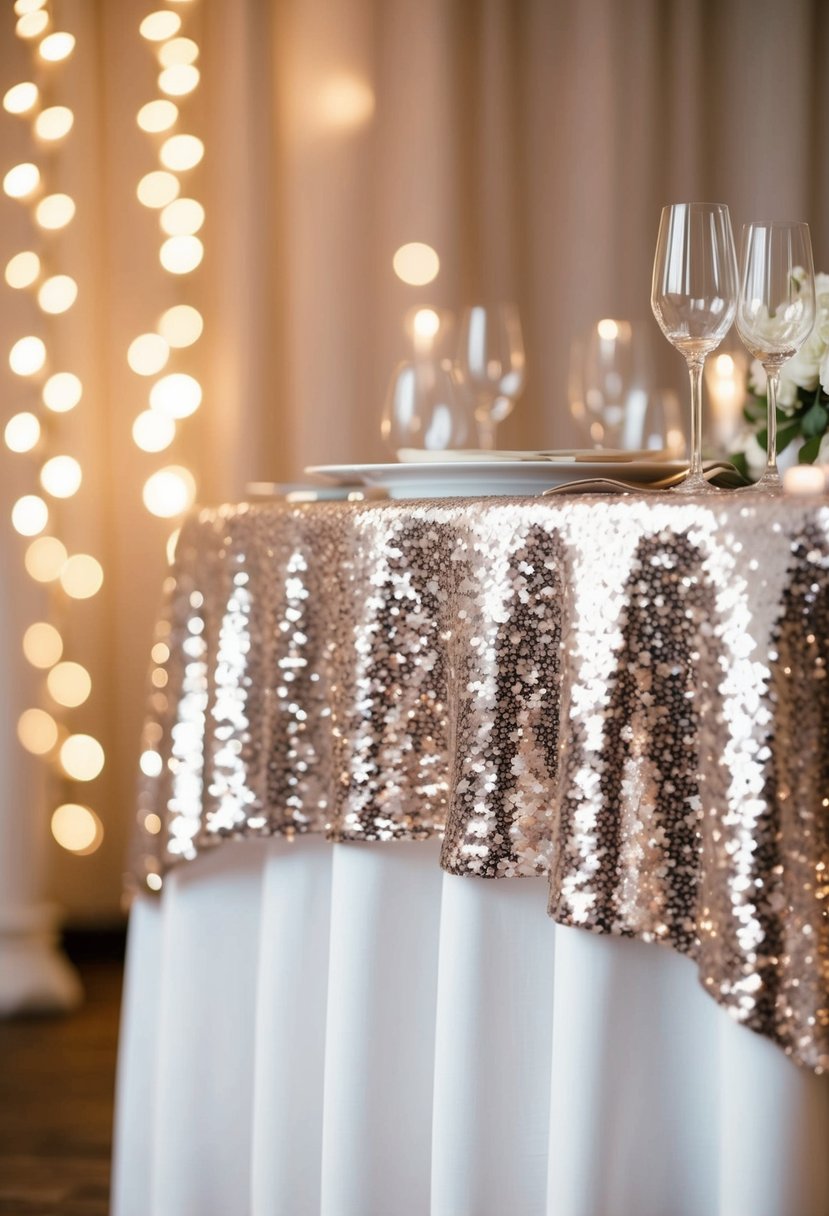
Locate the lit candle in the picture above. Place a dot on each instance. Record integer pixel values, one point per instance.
(725, 380)
(804, 479)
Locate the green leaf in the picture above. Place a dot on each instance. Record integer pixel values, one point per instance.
(786, 434)
(813, 422)
(808, 453)
(738, 459)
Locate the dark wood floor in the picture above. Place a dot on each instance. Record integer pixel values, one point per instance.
(56, 1092)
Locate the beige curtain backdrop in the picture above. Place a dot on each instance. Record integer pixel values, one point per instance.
(531, 142)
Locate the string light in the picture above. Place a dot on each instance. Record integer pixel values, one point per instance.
(42, 644)
(62, 392)
(27, 356)
(55, 47)
(55, 211)
(77, 828)
(22, 270)
(21, 180)
(45, 559)
(22, 432)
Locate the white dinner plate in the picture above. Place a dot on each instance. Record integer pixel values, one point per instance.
(476, 478)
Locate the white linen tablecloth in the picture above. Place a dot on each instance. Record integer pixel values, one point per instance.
(345, 1030)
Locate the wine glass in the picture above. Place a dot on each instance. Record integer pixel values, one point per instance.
(425, 409)
(776, 310)
(491, 363)
(694, 299)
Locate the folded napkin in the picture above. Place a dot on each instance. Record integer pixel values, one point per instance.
(590, 455)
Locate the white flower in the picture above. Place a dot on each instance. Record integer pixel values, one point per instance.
(804, 368)
(823, 451)
(786, 390)
(822, 292)
(757, 378)
(824, 373)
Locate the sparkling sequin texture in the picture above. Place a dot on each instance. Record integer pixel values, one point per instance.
(629, 695)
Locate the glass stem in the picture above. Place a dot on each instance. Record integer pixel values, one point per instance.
(695, 373)
(772, 381)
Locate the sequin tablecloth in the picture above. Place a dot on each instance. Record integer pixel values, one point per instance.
(628, 695)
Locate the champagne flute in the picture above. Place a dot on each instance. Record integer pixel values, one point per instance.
(694, 299)
(425, 409)
(491, 363)
(776, 310)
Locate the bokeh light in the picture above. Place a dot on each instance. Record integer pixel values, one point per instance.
(54, 123)
(45, 559)
(81, 757)
(158, 188)
(158, 115)
(181, 325)
(147, 354)
(62, 392)
(22, 432)
(181, 254)
(42, 645)
(77, 829)
(57, 294)
(170, 491)
(21, 98)
(55, 211)
(28, 6)
(30, 515)
(81, 576)
(37, 731)
(178, 50)
(27, 356)
(32, 25)
(22, 270)
(153, 432)
(21, 180)
(69, 684)
(416, 263)
(158, 26)
(150, 763)
(425, 323)
(182, 217)
(181, 152)
(55, 47)
(177, 395)
(345, 102)
(61, 476)
(179, 80)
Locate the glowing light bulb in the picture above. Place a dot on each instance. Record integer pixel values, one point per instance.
(157, 115)
(22, 270)
(55, 47)
(55, 211)
(30, 515)
(158, 26)
(32, 25)
(150, 763)
(181, 152)
(153, 432)
(81, 757)
(21, 98)
(158, 188)
(416, 263)
(178, 50)
(42, 645)
(81, 576)
(27, 356)
(62, 392)
(77, 829)
(45, 559)
(170, 491)
(147, 354)
(61, 476)
(176, 396)
(181, 325)
(37, 731)
(181, 254)
(57, 294)
(182, 218)
(69, 684)
(54, 123)
(22, 432)
(178, 80)
(22, 180)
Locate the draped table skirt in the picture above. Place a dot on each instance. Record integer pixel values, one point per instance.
(345, 1030)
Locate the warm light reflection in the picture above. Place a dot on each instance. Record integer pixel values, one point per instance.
(45, 559)
(55, 47)
(23, 269)
(178, 50)
(416, 263)
(69, 684)
(177, 395)
(182, 217)
(345, 102)
(150, 763)
(178, 80)
(77, 829)
(181, 325)
(170, 547)
(57, 294)
(22, 432)
(181, 254)
(21, 98)
(27, 356)
(160, 25)
(157, 115)
(158, 188)
(81, 757)
(82, 576)
(54, 123)
(55, 211)
(42, 645)
(21, 180)
(30, 515)
(147, 354)
(170, 491)
(62, 392)
(37, 731)
(153, 432)
(181, 152)
(61, 476)
(425, 323)
(31, 25)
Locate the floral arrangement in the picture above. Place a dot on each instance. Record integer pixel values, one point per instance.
(802, 400)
